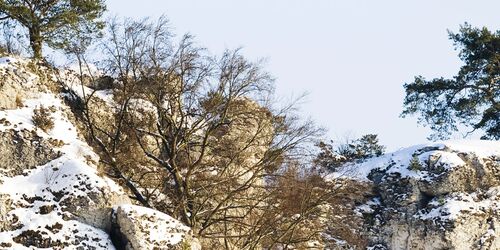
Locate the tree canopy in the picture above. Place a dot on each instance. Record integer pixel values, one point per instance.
(198, 137)
(471, 98)
(55, 22)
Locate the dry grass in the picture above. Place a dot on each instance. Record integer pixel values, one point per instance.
(19, 102)
(42, 118)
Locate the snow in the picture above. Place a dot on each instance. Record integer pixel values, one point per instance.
(72, 173)
(7, 60)
(397, 162)
(15, 65)
(481, 148)
(71, 231)
(71, 79)
(84, 91)
(40, 196)
(455, 205)
(163, 228)
(367, 208)
(75, 152)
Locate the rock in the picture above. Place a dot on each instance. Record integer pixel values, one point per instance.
(51, 192)
(51, 195)
(23, 150)
(95, 208)
(436, 197)
(18, 82)
(135, 227)
(5, 208)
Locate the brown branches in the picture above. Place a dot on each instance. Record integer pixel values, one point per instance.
(193, 120)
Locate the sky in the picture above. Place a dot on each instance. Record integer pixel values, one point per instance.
(351, 57)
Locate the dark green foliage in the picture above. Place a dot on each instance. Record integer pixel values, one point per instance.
(415, 164)
(331, 157)
(471, 98)
(56, 22)
(365, 147)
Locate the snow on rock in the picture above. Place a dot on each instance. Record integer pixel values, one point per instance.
(52, 195)
(136, 227)
(442, 195)
(444, 154)
(95, 83)
(17, 83)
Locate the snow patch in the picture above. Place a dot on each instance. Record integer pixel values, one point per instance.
(443, 153)
(73, 174)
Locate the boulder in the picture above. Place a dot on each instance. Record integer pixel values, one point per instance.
(135, 227)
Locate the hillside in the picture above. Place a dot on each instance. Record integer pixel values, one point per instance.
(434, 196)
(54, 193)
(51, 193)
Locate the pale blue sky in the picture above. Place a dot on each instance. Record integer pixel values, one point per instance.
(352, 57)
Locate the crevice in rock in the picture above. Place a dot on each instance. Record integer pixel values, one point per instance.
(117, 238)
(425, 198)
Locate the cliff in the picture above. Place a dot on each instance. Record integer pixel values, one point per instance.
(51, 192)
(435, 196)
(54, 194)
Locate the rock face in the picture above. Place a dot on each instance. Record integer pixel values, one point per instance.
(135, 228)
(23, 150)
(51, 194)
(437, 196)
(17, 82)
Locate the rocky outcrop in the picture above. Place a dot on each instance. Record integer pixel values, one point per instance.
(15, 84)
(438, 196)
(24, 150)
(135, 228)
(51, 193)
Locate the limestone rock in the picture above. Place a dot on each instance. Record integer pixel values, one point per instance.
(51, 192)
(439, 196)
(135, 227)
(24, 150)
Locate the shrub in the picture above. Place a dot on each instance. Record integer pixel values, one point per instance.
(42, 119)
(415, 164)
(19, 102)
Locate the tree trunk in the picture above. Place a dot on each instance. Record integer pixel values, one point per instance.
(36, 42)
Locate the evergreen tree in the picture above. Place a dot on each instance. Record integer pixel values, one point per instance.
(471, 98)
(367, 147)
(331, 157)
(55, 22)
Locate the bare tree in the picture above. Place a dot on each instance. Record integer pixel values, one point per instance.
(194, 136)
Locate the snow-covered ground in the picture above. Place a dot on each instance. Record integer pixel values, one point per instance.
(451, 207)
(442, 152)
(65, 203)
(72, 173)
(151, 227)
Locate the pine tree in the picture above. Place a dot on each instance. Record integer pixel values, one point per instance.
(471, 98)
(54, 22)
(367, 147)
(332, 157)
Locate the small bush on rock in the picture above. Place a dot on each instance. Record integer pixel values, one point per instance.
(415, 164)
(42, 119)
(19, 102)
